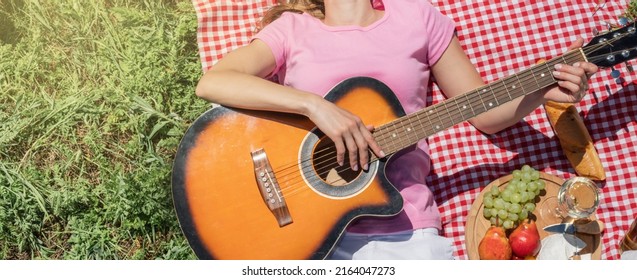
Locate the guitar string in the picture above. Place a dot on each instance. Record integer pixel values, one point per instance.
(384, 136)
(527, 81)
(496, 89)
(390, 136)
(493, 88)
(292, 193)
(497, 86)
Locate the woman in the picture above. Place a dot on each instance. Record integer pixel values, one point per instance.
(401, 43)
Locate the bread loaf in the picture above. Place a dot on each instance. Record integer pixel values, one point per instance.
(575, 140)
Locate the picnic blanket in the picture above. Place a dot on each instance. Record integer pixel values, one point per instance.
(501, 38)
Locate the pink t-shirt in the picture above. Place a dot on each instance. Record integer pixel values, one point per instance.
(398, 50)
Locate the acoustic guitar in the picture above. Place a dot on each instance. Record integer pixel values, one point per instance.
(264, 185)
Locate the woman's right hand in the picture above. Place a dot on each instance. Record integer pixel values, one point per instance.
(348, 132)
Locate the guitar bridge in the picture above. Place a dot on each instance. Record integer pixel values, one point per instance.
(269, 188)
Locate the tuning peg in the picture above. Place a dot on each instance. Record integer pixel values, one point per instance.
(595, 31)
(629, 67)
(616, 76)
(615, 73)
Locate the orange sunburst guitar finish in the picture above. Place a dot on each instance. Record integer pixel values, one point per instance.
(227, 211)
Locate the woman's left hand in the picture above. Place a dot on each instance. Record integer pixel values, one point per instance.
(572, 80)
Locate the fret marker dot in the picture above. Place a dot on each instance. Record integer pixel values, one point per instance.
(393, 135)
(490, 104)
(513, 86)
(409, 129)
(437, 127)
(542, 75)
(464, 106)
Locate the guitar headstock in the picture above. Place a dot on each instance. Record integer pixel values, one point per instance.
(613, 47)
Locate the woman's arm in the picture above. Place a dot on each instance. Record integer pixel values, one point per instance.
(237, 81)
(455, 75)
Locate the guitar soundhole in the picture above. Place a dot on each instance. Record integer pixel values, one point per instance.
(323, 174)
(326, 166)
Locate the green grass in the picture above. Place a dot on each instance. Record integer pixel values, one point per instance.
(94, 98)
(631, 10)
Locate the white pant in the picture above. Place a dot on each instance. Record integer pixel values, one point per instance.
(420, 244)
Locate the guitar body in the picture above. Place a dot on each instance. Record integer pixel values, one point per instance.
(224, 214)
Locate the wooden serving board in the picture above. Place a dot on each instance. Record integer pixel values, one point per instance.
(476, 225)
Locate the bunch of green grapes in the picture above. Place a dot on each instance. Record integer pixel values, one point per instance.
(513, 204)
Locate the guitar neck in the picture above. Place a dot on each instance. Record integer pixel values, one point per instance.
(408, 130)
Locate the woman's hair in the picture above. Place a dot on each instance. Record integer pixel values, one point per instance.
(315, 8)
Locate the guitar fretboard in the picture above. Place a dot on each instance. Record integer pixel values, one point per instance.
(408, 130)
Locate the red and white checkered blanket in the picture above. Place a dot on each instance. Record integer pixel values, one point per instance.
(501, 38)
